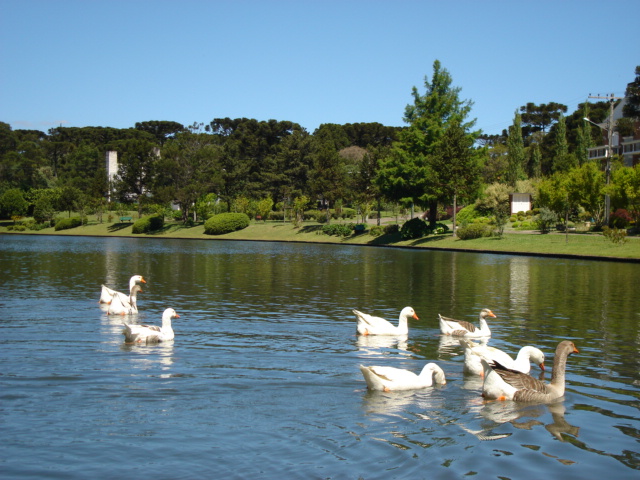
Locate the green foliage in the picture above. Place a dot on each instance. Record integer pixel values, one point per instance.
(148, 224)
(67, 223)
(226, 223)
(545, 220)
(468, 214)
(376, 231)
(474, 230)
(13, 202)
(414, 228)
(615, 235)
(338, 229)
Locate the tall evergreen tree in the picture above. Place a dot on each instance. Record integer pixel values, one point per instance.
(515, 149)
(407, 174)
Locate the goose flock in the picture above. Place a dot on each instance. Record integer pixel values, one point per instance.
(504, 378)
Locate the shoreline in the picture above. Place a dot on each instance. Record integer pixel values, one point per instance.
(355, 240)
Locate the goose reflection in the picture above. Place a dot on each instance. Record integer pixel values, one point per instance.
(401, 403)
(155, 357)
(370, 345)
(526, 417)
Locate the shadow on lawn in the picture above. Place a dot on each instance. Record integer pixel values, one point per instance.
(118, 226)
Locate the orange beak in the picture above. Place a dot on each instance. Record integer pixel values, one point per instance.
(491, 314)
(415, 315)
(542, 367)
(143, 280)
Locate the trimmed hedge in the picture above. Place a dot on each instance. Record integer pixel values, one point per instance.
(338, 229)
(226, 223)
(474, 230)
(148, 224)
(67, 223)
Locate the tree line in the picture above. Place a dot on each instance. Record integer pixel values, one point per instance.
(438, 159)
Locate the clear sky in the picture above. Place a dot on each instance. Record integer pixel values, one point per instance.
(113, 63)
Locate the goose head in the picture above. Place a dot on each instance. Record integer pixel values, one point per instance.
(436, 371)
(168, 314)
(485, 312)
(135, 280)
(537, 357)
(408, 312)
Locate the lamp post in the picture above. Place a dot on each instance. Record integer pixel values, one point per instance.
(607, 199)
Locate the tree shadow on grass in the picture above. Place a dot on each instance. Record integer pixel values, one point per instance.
(386, 239)
(431, 239)
(118, 226)
(310, 229)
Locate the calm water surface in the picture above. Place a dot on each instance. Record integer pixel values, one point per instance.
(262, 380)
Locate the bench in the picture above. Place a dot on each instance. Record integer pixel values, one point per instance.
(126, 219)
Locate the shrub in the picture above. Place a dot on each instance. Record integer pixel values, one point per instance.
(545, 220)
(148, 224)
(67, 223)
(391, 228)
(338, 229)
(414, 228)
(620, 218)
(440, 228)
(277, 216)
(345, 213)
(226, 223)
(16, 228)
(376, 231)
(473, 230)
(615, 235)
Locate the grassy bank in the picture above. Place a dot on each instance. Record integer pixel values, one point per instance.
(553, 244)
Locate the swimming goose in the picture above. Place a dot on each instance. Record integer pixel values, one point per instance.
(151, 333)
(387, 379)
(461, 328)
(125, 306)
(473, 352)
(370, 325)
(107, 293)
(503, 384)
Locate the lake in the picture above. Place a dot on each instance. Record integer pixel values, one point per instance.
(262, 379)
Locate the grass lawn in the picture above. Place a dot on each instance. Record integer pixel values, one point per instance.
(554, 244)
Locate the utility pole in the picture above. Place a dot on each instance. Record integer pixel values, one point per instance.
(609, 129)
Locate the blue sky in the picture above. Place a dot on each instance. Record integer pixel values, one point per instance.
(113, 63)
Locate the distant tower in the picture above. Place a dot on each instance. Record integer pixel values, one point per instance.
(111, 164)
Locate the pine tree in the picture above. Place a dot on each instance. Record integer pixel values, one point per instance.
(515, 152)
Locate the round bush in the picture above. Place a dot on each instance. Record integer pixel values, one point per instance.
(226, 223)
(376, 231)
(473, 230)
(66, 223)
(148, 224)
(414, 228)
(338, 229)
(391, 228)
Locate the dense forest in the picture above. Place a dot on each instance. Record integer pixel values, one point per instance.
(436, 160)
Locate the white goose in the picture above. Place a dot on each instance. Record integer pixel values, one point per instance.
(151, 333)
(462, 328)
(500, 383)
(387, 379)
(473, 352)
(127, 305)
(107, 293)
(370, 325)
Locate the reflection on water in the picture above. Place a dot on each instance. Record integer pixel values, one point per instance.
(262, 379)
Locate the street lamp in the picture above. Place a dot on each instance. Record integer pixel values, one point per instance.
(607, 199)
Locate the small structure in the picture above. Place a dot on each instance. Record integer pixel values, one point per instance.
(111, 165)
(520, 202)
